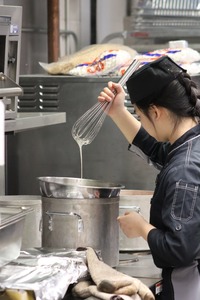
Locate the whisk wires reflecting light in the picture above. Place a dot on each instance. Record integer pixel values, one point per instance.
(86, 128)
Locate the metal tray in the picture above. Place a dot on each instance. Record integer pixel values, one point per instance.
(12, 220)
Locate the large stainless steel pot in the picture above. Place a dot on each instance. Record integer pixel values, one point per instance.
(85, 215)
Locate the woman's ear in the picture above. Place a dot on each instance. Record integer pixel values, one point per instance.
(155, 112)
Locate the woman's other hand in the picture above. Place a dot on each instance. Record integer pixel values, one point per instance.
(134, 225)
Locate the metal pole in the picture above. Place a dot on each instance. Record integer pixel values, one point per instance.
(53, 30)
(93, 21)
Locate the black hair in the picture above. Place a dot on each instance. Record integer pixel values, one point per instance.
(181, 96)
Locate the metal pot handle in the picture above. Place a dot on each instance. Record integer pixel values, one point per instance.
(51, 214)
(132, 207)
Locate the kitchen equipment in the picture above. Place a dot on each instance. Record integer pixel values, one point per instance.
(85, 216)
(8, 87)
(86, 128)
(156, 22)
(10, 40)
(11, 230)
(70, 187)
(134, 200)
(32, 235)
(8, 90)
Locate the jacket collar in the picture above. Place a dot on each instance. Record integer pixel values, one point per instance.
(191, 134)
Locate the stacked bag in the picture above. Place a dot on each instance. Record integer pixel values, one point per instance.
(114, 59)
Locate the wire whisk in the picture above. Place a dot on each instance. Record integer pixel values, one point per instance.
(86, 128)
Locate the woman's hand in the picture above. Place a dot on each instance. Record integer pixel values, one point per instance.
(134, 225)
(115, 93)
(124, 120)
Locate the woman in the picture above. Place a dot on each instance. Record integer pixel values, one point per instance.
(168, 136)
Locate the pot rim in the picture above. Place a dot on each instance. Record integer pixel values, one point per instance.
(80, 182)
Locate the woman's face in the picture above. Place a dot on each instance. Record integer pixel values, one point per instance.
(149, 125)
(162, 125)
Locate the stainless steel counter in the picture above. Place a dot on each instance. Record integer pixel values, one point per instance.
(25, 121)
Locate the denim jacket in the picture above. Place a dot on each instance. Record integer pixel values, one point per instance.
(175, 209)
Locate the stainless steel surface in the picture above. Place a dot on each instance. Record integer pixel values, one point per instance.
(77, 188)
(163, 8)
(129, 200)
(152, 24)
(8, 87)
(32, 236)
(11, 230)
(10, 38)
(139, 265)
(165, 18)
(26, 121)
(71, 223)
(86, 128)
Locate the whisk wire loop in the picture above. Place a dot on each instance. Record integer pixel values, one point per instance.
(86, 128)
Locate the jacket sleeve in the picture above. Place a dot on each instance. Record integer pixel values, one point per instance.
(149, 149)
(176, 243)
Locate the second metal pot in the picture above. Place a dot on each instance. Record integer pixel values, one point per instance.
(134, 200)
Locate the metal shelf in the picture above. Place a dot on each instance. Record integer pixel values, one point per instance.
(26, 121)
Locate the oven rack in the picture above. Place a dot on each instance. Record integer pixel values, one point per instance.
(154, 18)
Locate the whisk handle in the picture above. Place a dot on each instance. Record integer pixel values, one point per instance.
(133, 67)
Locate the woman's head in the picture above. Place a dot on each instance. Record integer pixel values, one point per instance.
(163, 83)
